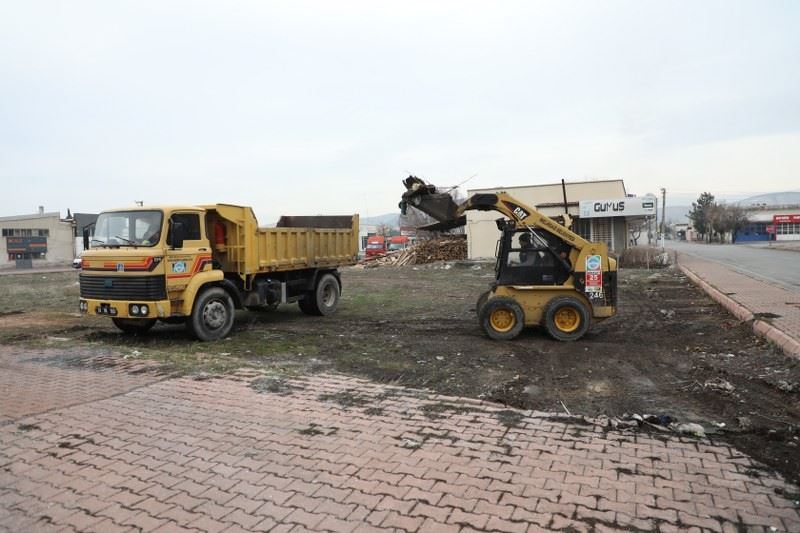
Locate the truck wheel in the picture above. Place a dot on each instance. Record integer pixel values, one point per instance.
(212, 315)
(502, 318)
(566, 318)
(324, 299)
(134, 325)
(481, 302)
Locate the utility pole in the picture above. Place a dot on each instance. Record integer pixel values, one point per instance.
(663, 213)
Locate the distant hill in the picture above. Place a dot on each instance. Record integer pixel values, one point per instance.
(389, 219)
(772, 199)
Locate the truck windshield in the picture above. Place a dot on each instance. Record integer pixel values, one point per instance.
(128, 228)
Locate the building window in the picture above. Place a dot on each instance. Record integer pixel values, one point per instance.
(25, 232)
(788, 229)
(601, 230)
(583, 228)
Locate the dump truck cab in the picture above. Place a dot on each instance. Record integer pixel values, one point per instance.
(197, 264)
(376, 245)
(146, 264)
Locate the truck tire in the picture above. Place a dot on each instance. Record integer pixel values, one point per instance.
(566, 318)
(212, 315)
(502, 318)
(324, 299)
(134, 325)
(481, 302)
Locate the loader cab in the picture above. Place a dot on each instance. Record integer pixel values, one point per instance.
(528, 256)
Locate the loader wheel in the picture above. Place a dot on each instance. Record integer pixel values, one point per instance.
(134, 325)
(481, 302)
(502, 318)
(324, 299)
(212, 315)
(566, 318)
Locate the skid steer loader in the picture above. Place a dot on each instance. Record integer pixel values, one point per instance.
(546, 274)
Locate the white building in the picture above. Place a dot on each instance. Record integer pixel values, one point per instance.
(601, 211)
(41, 239)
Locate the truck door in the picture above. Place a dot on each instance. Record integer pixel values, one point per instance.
(187, 258)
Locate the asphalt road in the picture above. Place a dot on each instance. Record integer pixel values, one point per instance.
(780, 267)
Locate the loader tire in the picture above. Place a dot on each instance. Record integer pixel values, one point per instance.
(566, 318)
(212, 315)
(134, 326)
(324, 299)
(481, 302)
(502, 318)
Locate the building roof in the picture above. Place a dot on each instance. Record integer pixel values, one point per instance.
(585, 184)
(33, 216)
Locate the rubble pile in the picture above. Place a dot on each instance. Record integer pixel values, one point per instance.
(447, 249)
(424, 252)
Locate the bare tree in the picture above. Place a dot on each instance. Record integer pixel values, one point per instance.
(724, 219)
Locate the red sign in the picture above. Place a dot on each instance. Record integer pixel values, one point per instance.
(786, 219)
(594, 282)
(771, 228)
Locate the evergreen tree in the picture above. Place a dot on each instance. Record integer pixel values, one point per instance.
(700, 214)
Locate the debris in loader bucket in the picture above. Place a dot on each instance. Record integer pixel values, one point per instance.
(439, 205)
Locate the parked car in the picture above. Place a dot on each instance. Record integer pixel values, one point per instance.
(76, 263)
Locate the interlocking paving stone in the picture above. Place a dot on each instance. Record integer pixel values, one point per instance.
(218, 455)
(37, 381)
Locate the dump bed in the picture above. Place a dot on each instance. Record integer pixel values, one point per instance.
(296, 243)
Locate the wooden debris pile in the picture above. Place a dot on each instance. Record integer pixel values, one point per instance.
(424, 252)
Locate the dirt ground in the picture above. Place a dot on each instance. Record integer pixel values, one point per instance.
(670, 351)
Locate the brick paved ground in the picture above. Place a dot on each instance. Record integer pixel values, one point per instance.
(756, 295)
(37, 381)
(334, 453)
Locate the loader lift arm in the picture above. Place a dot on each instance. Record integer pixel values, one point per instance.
(441, 206)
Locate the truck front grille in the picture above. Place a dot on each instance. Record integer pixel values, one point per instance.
(123, 287)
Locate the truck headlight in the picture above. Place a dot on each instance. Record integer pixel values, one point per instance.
(134, 309)
(143, 309)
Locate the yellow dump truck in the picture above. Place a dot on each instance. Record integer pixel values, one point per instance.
(197, 264)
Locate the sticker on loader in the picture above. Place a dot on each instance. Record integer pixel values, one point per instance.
(594, 276)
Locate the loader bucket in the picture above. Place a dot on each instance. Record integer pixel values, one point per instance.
(424, 197)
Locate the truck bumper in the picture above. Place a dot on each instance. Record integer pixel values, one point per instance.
(125, 308)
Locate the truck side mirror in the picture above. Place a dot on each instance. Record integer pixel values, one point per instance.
(178, 233)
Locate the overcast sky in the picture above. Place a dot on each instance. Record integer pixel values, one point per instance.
(323, 107)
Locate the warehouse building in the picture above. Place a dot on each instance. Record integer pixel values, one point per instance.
(771, 217)
(37, 240)
(601, 210)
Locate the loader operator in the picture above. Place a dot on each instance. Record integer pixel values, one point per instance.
(526, 255)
